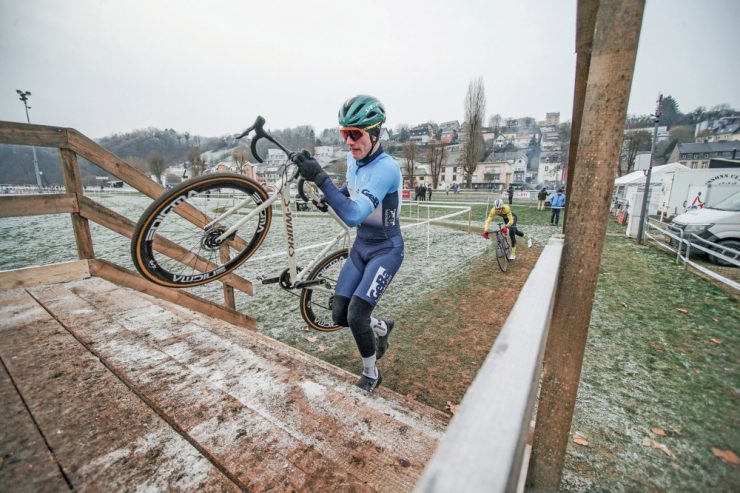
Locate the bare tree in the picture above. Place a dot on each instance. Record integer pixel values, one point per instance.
(157, 165)
(195, 161)
(437, 156)
(495, 123)
(472, 148)
(409, 153)
(239, 155)
(637, 141)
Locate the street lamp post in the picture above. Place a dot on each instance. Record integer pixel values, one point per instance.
(24, 97)
(646, 194)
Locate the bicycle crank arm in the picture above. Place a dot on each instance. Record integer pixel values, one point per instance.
(271, 280)
(308, 284)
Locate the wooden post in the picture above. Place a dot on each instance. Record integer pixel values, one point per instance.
(616, 35)
(229, 299)
(585, 24)
(73, 184)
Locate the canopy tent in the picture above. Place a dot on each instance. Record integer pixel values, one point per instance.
(638, 177)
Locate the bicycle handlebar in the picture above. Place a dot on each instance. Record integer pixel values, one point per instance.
(260, 133)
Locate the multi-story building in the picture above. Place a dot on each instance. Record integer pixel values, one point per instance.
(552, 118)
(698, 154)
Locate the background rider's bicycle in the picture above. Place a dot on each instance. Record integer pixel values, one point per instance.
(221, 219)
(503, 247)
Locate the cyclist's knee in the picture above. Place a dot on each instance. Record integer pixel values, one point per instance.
(339, 310)
(358, 315)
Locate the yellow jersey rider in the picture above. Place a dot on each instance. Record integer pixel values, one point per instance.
(504, 211)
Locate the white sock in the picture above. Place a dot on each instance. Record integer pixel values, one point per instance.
(378, 326)
(370, 369)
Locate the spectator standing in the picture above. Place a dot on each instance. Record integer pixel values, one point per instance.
(429, 193)
(557, 202)
(511, 194)
(423, 192)
(541, 197)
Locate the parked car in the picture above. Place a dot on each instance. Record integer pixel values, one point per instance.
(719, 223)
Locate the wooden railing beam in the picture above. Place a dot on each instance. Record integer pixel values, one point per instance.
(125, 277)
(125, 227)
(37, 205)
(33, 135)
(73, 184)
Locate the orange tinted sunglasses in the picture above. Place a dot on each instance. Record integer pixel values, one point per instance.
(354, 133)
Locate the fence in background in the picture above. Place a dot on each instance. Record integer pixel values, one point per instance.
(673, 239)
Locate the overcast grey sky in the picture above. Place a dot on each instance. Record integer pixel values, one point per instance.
(209, 67)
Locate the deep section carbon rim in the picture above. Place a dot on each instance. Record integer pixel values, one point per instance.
(177, 222)
(316, 303)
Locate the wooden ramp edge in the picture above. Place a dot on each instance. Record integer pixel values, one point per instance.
(111, 389)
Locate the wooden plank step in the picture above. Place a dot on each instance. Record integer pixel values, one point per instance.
(320, 416)
(103, 437)
(26, 462)
(261, 455)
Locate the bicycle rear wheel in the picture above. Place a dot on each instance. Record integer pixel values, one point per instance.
(502, 256)
(317, 301)
(172, 246)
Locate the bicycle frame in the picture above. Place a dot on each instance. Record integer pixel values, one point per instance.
(283, 193)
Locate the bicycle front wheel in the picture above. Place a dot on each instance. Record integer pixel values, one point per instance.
(175, 243)
(317, 301)
(502, 256)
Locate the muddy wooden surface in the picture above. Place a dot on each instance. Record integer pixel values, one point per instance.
(106, 389)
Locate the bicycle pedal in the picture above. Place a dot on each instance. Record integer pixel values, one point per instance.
(271, 280)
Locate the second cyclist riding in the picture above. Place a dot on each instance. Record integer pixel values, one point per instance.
(219, 220)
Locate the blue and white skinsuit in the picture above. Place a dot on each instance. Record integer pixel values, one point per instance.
(371, 201)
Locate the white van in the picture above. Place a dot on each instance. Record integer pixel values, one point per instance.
(719, 223)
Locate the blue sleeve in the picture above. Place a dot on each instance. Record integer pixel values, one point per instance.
(352, 212)
(384, 179)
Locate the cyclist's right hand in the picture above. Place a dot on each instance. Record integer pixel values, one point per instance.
(485, 234)
(310, 168)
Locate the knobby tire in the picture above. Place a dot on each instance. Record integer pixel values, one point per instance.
(201, 199)
(316, 305)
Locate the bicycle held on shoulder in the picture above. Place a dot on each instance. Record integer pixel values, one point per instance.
(503, 248)
(220, 220)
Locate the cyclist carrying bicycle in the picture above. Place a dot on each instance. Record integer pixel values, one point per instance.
(370, 200)
(504, 211)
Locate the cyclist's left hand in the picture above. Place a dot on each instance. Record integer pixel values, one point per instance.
(505, 230)
(321, 205)
(485, 234)
(310, 168)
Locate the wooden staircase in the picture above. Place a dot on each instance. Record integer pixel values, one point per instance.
(103, 388)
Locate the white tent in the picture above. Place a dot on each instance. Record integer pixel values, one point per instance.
(625, 196)
(638, 177)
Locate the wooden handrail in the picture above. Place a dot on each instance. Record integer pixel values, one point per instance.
(33, 135)
(37, 205)
(483, 447)
(71, 143)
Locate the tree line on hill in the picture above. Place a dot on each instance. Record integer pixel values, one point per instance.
(152, 150)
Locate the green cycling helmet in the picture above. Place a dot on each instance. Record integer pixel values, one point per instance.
(361, 111)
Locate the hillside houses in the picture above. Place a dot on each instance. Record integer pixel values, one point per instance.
(519, 153)
(534, 154)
